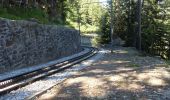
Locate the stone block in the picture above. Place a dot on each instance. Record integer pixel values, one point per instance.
(26, 43)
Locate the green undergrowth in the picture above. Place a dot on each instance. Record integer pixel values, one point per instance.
(84, 28)
(24, 13)
(17, 13)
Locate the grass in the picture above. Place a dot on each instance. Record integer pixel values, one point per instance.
(85, 29)
(18, 13)
(24, 13)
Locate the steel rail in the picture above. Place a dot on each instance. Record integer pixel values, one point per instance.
(18, 81)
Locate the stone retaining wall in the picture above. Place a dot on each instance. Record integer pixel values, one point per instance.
(25, 43)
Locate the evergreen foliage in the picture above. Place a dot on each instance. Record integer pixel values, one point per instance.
(104, 29)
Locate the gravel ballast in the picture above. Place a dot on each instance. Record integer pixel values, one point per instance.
(50, 81)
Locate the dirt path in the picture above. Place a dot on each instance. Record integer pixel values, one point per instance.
(121, 75)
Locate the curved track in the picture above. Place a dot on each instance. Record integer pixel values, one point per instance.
(15, 82)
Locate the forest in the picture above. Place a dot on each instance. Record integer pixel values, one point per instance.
(94, 16)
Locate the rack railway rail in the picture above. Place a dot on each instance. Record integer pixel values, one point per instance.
(15, 82)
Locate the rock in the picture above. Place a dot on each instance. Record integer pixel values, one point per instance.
(26, 43)
(166, 94)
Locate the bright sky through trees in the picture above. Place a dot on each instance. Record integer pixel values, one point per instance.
(104, 2)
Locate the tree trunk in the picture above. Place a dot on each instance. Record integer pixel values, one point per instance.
(139, 24)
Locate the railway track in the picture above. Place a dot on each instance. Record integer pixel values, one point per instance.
(15, 82)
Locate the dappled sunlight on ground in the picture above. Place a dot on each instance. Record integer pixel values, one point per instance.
(109, 78)
(120, 62)
(92, 84)
(120, 69)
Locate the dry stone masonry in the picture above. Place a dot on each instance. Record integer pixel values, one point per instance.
(25, 43)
